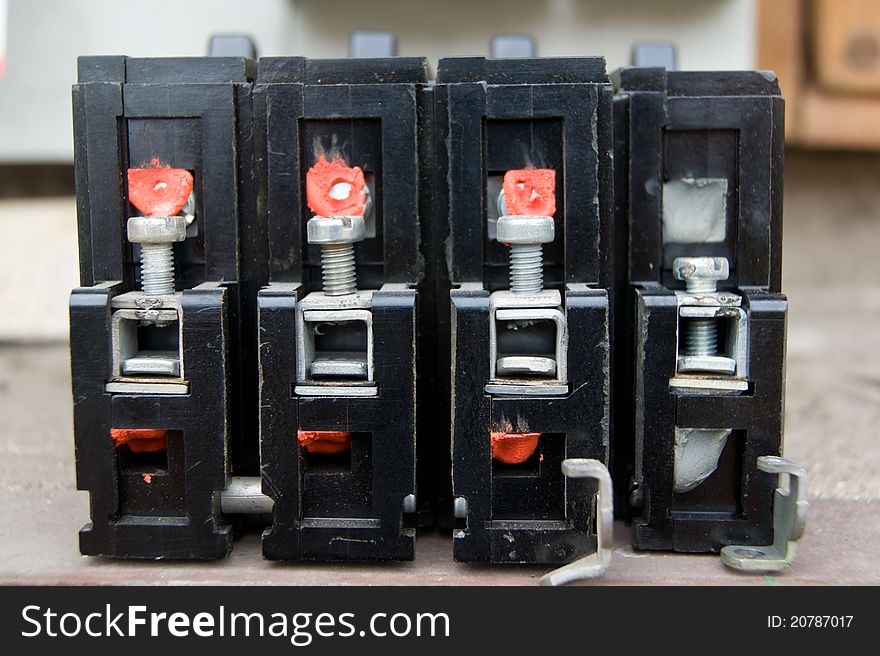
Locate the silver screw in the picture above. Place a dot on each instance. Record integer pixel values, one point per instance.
(525, 235)
(701, 276)
(337, 235)
(460, 507)
(156, 234)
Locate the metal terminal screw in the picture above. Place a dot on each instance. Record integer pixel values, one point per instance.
(701, 276)
(156, 234)
(460, 508)
(524, 235)
(336, 235)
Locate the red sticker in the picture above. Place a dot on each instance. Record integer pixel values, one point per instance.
(513, 448)
(159, 191)
(530, 192)
(140, 440)
(324, 441)
(334, 189)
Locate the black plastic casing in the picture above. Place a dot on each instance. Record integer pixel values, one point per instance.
(193, 114)
(376, 114)
(673, 125)
(493, 116)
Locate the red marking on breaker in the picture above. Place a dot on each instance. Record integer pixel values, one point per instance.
(140, 440)
(530, 192)
(334, 189)
(324, 441)
(513, 448)
(159, 191)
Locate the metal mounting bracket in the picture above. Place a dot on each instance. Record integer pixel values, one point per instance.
(595, 564)
(789, 517)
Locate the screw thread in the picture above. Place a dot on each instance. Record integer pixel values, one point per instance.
(702, 337)
(526, 268)
(338, 269)
(157, 269)
(701, 286)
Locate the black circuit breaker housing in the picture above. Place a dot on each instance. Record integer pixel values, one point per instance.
(358, 505)
(191, 114)
(491, 117)
(699, 159)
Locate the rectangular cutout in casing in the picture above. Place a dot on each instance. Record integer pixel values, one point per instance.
(143, 462)
(151, 484)
(358, 141)
(177, 142)
(327, 463)
(533, 490)
(699, 166)
(513, 144)
(720, 495)
(531, 467)
(339, 484)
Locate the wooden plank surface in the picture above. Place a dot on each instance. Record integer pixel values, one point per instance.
(845, 40)
(780, 49)
(827, 57)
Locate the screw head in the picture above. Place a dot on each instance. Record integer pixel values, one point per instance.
(700, 268)
(516, 229)
(156, 229)
(335, 229)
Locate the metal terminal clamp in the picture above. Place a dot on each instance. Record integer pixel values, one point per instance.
(789, 518)
(147, 325)
(528, 337)
(147, 342)
(595, 564)
(702, 364)
(334, 347)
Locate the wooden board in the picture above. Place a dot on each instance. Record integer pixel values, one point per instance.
(845, 42)
(822, 53)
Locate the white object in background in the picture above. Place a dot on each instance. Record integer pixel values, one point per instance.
(4, 21)
(46, 36)
(38, 268)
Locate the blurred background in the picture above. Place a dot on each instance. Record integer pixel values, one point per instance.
(826, 52)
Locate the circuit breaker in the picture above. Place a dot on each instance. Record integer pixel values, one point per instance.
(701, 317)
(338, 326)
(526, 205)
(336, 300)
(157, 327)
